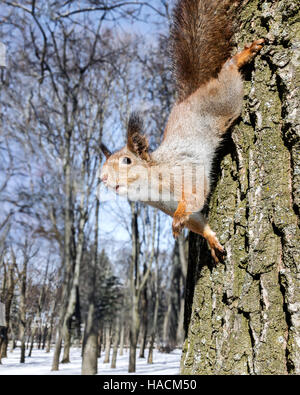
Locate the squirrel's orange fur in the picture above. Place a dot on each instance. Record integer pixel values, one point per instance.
(209, 99)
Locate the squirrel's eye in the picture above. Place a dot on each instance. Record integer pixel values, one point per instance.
(126, 160)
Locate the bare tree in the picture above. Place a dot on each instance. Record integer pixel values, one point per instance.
(40, 305)
(69, 72)
(28, 252)
(7, 294)
(115, 343)
(137, 282)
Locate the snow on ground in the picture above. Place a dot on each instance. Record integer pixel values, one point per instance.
(40, 364)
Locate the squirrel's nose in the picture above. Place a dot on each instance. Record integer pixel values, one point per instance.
(104, 178)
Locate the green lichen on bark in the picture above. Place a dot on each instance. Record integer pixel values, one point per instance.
(243, 317)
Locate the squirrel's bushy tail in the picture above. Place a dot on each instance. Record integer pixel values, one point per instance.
(200, 42)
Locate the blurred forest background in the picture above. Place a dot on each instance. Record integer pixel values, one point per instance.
(78, 266)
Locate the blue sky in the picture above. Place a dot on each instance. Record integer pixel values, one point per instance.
(114, 212)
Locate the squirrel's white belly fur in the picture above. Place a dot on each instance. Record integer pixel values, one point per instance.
(197, 145)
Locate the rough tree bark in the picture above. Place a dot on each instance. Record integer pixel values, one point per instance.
(122, 337)
(90, 347)
(8, 302)
(115, 343)
(107, 343)
(243, 317)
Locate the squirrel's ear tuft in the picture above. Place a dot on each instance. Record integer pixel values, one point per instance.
(135, 124)
(105, 150)
(136, 142)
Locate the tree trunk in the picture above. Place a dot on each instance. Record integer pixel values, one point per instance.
(3, 346)
(90, 344)
(57, 350)
(50, 331)
(32, 342)
(171, 318)
(182, 244)
(44, 337)
(39, 338)
(155, 317)
(99, 341)
(8, 302)
(155, 298)
(22, 310)
(243, 317)
(134, 334)
(73, 299)
(144, 319)
(23, 344)
(67, 343)
(13, 343)
(107, 344)
(137, 282)
(180, 324)
(134, 326)
(91, 348)
(122, 338)
(67, 251)
(115, 345)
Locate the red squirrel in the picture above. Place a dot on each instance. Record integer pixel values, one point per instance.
(209, 94)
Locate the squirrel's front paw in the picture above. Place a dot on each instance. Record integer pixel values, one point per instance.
(217, 251)
(248, 52)
(179, 222)
(256, 46)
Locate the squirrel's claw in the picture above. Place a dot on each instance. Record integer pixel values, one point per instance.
(248, 52)
(218, 252)
(256, 46)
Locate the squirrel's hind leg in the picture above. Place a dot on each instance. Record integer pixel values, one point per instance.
(198, 224)
(248, 53)
(217, 251)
